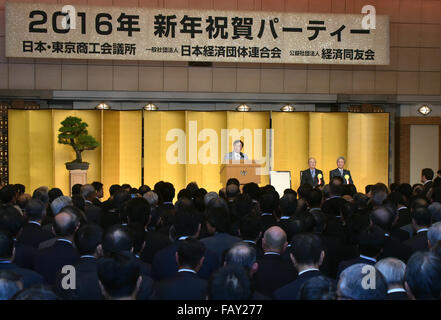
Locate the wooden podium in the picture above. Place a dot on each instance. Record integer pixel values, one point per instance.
(244, 171)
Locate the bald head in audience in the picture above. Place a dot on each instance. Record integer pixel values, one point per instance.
(66, 224)
(274, 240)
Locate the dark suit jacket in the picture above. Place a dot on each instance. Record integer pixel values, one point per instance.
(154, 241)
(397, 296)
(427, 187)
(399, 234)
(336, 172)
(97, 203)
(32, 234)
(29, 277)
(182, 286)
(267, 221)
(393, 248)
(306, 177)
(219, 243)
(333, 205)
(346, 264)
(24, 255)
(336, 251)
(418, 242)
(291, 291)
(93, 213)
(165, 266)
(48, 261)
(403, 217)
(274, 272)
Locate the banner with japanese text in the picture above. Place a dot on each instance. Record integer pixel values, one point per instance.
(118, 33)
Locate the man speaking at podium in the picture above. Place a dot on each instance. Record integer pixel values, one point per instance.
(312, 176)
(345, 174)
(236, 154)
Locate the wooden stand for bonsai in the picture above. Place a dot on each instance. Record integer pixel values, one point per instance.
(77, 176)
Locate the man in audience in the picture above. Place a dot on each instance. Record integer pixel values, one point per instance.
(186, 225)
(287, 207)
(119, 276)
(88, 241)
(230, 283)
(352, 284)
(10, 284)
(32, 233)
(426, 180)
(307, 255)
(370, 246)
(383, 218)
(421, 220)
(185, 284)
(49, 260)
(393, 271)
(318, 288)
(99, 193)
(250, 232)
(7, 253)
(217, 225)
(274, 272)
(434, 235)
(423, 276)
(268, 207)
(93, 213)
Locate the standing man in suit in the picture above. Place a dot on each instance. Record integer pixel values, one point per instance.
(393, 271)
(32, 233)
(426, 180)
(185, 284)
(307, 255)
(312, 176)
(341, 172)
(421, 220)
(237, 153)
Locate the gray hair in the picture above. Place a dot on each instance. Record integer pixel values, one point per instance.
(151, 197)
(241, 254)
(435, 211)
(87, 190)
(210, 196)
(350, 284)
(59, 203)
(342, 158)
(434, 233)
(393, 270)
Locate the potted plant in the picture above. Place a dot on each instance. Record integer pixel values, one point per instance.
(74, 133)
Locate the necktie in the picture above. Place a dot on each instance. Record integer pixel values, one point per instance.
(341, 172)
(313, 173)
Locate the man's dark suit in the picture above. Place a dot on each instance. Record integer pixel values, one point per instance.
(165, 266)
(97, 203)
(154, 241)
(291, 291)
(418, 242)
(32, 235)
(306, 177)
(333, 205)
(93, 213)
(183, 285)
(336, 172)
(397, 296)
(219, 243)
(24, 255)
(393, 248)
(28, 277)
(49, 260)
(346, 264)
(403, 217)
(267, 220)
(426, 187)
(274, 272)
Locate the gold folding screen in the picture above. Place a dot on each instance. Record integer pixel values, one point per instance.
(185, 146)
(363, 139)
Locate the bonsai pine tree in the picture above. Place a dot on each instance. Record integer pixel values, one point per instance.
(74, 133)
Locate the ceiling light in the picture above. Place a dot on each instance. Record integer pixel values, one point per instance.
(287, 108)
(243, 108)
(150, 107)
(424, 110)
(102, 106)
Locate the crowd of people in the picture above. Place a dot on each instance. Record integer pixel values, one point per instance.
(240, 243)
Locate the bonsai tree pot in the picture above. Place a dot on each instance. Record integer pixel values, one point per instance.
(77, 165)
